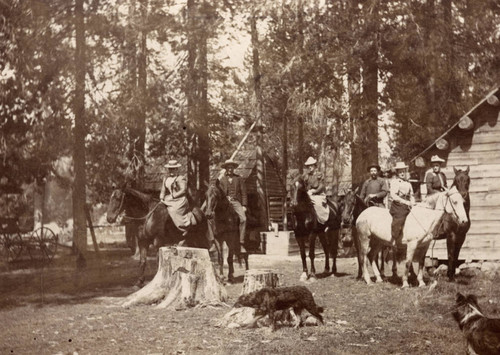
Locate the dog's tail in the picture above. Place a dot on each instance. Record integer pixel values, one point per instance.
(320, 309)
(317, 313)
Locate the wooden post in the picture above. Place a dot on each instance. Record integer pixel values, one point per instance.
(257, 279)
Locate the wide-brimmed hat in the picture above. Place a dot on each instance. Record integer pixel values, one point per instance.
(400, 165)
(376, 166)
(310, 161)
(173, 164)
(436, 159)
(230, 162)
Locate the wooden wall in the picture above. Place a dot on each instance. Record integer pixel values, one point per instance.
(480, 150)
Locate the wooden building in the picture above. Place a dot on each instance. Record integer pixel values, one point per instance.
(474, 141)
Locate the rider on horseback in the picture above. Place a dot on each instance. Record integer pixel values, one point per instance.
(402, 200)
(235, 190)
(174, 195)
(435, 179)
(374, 189)
(315, 187)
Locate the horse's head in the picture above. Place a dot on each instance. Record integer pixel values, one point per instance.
(213, 195)
(348, 208)
(115, 205)
(462, 181)
(453, 204)
(297, 192)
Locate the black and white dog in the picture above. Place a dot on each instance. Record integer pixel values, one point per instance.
(482, 333)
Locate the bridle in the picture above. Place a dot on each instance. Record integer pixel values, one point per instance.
(120, 208)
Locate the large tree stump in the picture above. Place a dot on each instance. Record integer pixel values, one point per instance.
(185, 278)
(257, 279)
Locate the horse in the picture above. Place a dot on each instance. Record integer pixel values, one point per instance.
(374, 224)
(223, 220)
(157, 227)
(453, 232)
(353, 206)
(307, 226)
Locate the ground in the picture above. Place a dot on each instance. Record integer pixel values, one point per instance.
(53, 309)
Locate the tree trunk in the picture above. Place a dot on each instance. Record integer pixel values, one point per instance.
(262, 198)
(185, 278)
(79, 133)
(256, 279)
(285, 169)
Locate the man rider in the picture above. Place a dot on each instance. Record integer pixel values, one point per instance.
(234, 188)
(315, 187)
(375, 188)
(402, 199)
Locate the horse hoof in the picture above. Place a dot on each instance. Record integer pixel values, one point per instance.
(379, 281)
(421, 284)
(303, 277)
(405, 285)
(312, 278)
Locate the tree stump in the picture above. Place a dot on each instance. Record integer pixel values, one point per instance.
(257, 279)
(185, 278)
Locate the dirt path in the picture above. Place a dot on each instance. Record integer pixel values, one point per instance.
(85, 316)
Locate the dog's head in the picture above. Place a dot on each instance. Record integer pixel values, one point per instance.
(252, 299)
(464, 306)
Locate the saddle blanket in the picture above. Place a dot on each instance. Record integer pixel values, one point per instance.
(320, 207)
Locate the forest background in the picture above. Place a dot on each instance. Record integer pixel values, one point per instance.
(118, 85)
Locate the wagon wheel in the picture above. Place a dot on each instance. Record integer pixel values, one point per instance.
(12, 245)
(43, 244)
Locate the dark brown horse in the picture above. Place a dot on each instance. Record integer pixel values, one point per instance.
(353, 206)
(157, 227)
(451, 230)
(224, 223)
(307, 227)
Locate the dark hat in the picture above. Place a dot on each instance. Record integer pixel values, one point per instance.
(230, 162)
(376, 166)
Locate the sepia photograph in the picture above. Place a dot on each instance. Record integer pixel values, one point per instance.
(250, 177)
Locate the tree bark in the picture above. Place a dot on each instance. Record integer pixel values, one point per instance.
(79, 133)
(256, 279)
(262, 198)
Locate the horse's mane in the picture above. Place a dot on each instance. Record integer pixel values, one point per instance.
(302, 187)
(145, 198)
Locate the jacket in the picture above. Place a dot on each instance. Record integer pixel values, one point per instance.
(433, 182)
(240, 188)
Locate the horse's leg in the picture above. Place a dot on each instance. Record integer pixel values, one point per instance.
(231, 247)
(381, 258)
(325, 243)
(220, 256)
(454, 243)
(301, 242)
(312, 247)
(410, 252)
(420, 254)
(143, 255)
(334, 248)
(359, 254)
(375, 253)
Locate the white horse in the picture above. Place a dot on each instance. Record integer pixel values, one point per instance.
(374, 225)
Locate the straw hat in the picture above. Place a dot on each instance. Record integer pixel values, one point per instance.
(400, 165)
(310, 161)
(173, 164)
(230, 162)
(437, 159)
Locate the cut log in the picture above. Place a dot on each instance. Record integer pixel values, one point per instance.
(185, 278)
(256, 279)
(419, 162)
(466, 123)
(442, 144)
(493, 100)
